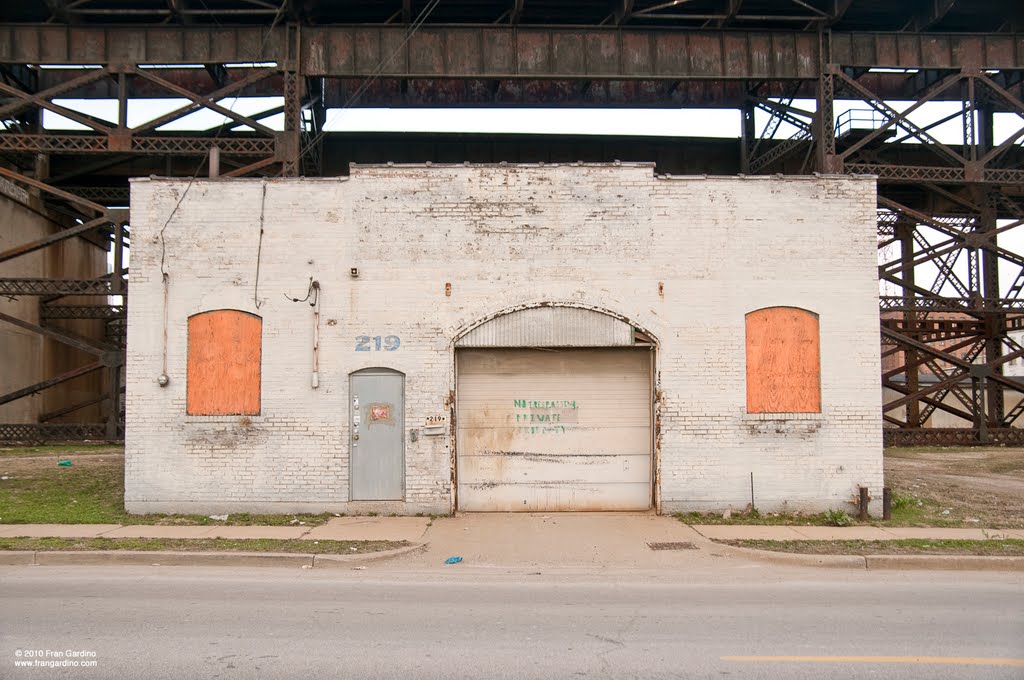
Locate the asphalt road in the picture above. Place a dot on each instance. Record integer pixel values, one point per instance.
(164, 622)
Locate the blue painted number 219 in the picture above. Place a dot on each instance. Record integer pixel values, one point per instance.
(388, 343)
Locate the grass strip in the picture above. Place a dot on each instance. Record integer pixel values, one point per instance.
(755, 518)
(92, 492)
(907, 511)
(61, 450)
(262, 545)
(1013, 547)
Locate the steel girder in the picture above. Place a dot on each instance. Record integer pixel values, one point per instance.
(951, 436)
(40, 433)
(462, 51)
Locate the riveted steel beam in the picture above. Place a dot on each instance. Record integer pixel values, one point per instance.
(104, 195)
(198, 102)
(105, 312)
(954, 360)
(55, 432)
(510, 51)
(78, 201)
(44, 417)
(50, 382)
(79, 342)
(60, 287)
(50, 239)
(156, 144)
(950, 436)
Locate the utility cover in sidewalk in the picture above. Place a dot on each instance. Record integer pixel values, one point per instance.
(679, 545)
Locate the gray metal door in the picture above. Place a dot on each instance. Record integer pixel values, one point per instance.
(377, 442)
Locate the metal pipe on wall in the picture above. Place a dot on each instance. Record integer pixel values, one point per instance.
(316, 335)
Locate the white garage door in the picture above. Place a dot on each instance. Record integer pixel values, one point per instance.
(554, 429)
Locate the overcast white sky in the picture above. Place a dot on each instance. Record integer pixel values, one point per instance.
(658, 122)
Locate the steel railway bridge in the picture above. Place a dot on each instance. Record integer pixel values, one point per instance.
(944, 208)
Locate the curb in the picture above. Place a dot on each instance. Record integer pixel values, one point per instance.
(169, 559)
(17, 557)
(345, 561)
(890, 562)
(946, 562)
(46, 558)
(799, 559)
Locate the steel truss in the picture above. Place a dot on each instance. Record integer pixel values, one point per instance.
(96, 222)
(942, 208)
(223, 150)
(946, 340)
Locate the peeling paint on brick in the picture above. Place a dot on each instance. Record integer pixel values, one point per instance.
(600, 237)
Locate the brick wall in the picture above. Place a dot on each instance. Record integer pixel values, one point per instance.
(502, 236)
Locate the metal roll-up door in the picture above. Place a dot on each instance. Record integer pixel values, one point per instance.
(554, 429)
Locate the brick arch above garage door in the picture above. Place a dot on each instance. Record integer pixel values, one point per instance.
(554, 325)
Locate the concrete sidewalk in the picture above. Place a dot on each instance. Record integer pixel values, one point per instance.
(533, 541)
(589, 530)
(337, 529)
(544, 541)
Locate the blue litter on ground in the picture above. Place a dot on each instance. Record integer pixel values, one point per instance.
(453, 560)
(65, 463)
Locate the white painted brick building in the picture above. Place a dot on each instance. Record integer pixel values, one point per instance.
(439, 249)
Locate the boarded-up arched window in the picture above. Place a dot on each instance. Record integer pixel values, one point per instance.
(783, 361)
(224, 353)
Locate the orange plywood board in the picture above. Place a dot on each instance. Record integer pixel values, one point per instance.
(224, 355)
(783, 361)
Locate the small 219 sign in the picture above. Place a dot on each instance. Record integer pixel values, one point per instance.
(388, 343)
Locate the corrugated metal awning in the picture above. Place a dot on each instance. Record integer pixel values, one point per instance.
(550, 327)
